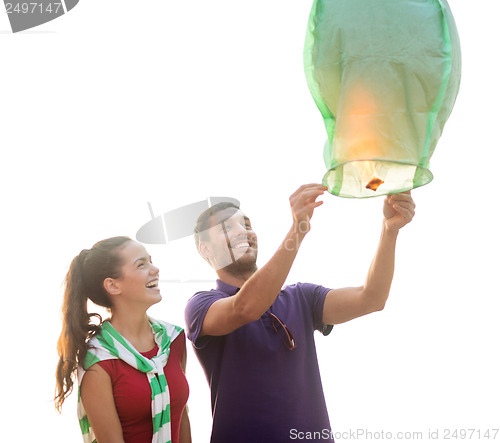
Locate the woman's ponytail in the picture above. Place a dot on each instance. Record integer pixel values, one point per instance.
(83, 281)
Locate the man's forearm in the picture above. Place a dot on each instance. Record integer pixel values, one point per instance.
(381, 272)
(262, 288)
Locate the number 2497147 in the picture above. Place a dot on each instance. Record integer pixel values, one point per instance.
(33, 8)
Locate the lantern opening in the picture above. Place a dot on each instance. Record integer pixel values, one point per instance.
(372, 178)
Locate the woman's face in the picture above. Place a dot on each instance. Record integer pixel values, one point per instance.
(138, 281)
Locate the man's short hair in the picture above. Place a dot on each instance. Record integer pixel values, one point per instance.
(203, 224)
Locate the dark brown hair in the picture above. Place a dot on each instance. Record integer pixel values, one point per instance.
(84, 280)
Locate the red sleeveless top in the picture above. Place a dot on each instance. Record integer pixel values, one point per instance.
(132, 393)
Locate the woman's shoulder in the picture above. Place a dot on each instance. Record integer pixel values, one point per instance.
(179, 343)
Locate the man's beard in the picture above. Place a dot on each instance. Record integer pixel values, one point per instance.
(241, 267)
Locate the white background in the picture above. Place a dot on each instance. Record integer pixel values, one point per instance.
(120, 103)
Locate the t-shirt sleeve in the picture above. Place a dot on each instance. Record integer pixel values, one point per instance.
(315, 296)
(195, 312)
(108, 366)
(178, 346)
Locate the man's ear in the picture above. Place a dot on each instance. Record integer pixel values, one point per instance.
(111, 286)
(205, 250)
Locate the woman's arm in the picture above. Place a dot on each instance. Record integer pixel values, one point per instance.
(98, 401)
(185, 426)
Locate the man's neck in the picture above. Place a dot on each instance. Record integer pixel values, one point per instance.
(233, 280)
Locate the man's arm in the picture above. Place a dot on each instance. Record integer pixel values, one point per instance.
(258, 293)
(345, 304)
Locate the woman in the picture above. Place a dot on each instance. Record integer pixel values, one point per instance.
(125, 359)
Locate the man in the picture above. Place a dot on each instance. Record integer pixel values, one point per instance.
(255, 339)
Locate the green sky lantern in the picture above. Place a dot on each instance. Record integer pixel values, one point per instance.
(384, 75)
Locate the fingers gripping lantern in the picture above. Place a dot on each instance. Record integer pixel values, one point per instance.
(384, 75)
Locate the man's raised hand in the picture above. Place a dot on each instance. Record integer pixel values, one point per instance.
(303, 203)
(399, 210)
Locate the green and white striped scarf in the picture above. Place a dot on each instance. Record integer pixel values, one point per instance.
(108, 344)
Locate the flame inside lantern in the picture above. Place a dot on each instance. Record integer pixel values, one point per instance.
(368, 175)
(374, 183)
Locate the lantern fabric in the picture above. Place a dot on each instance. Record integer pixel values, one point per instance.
(385, 75)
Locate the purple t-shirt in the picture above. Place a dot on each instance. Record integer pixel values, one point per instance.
(261, 391)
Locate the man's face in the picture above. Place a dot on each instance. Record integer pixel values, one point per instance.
(232, 243)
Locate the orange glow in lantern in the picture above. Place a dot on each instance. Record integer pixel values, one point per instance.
(356, 137)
